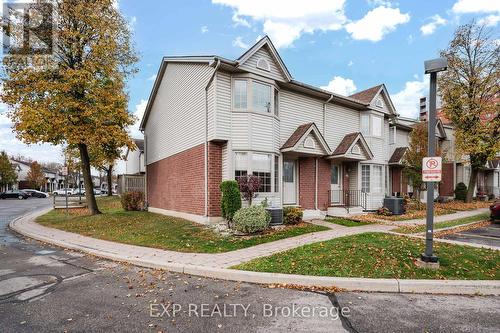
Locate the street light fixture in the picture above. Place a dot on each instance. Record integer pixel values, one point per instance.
(432, 67)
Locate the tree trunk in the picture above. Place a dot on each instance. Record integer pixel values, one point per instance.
(110, 180)
(472, 184)
(87, 179)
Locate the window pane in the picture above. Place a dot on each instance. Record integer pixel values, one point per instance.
(335, 175)
(261, 162)
(377, 178)
(276, 174)
(261, 97)
(288, 173)
(240, 94)
(377, 126)
(392, 135)
(265, 181)
(239, 173)
(365, 124)
(240, 161)
(365, 178)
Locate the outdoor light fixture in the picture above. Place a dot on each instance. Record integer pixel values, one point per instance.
(435, 65)
(432, 67)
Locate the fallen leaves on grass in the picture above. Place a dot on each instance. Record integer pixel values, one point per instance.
(328, 289)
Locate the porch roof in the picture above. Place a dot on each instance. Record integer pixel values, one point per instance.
(297, 141)
(398, 155)
(346, 149)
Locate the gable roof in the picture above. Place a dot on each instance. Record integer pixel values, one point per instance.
(301, 133)
(349, 141)
(263, 42)
(367, 95)
(397, 155)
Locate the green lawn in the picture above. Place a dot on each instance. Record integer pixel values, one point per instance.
(441, 225)
(378, 255)
(345, 222)
(159, 231)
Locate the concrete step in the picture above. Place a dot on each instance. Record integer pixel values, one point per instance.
(342, 212)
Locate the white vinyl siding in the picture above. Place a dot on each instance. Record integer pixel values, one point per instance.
(223, 107)
(177, 118)
(251, 65)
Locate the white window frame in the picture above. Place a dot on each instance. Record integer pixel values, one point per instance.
(362, 127)
(233, 97)
(274, 96)
(250, 169)
(260, 61)
(377, 118)
(363, 181)
(377, 178)
(271, 99)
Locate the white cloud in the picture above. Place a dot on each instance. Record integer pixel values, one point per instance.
(490, 20)
(238, 42)
(240, 21)
(204, 29)
(341, 86)
(285, 21)
(350, 63)
(377, 3)
(407, 100)
(377, 23)
(476, 6)
(152, 77)
(138, 113)
(435, 21)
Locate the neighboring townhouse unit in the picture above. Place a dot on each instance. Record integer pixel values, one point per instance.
(209, 119)
(54, 179)
(134, 159)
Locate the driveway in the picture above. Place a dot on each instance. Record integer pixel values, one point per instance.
(489, 235)
(45, 289)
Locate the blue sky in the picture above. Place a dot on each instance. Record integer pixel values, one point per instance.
(342, 45)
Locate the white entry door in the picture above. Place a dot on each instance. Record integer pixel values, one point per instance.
(289, 182)
(335, 184)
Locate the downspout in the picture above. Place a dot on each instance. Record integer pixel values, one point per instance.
(316, 183)
(145, 169)
(316, 160)
(206, 134)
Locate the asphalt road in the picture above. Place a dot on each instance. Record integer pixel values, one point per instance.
(47, 289)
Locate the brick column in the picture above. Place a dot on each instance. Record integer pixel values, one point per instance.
(307, 185)
(324, 175)
(214, 178)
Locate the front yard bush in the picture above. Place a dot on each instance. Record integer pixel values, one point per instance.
(132, 200)
(231, 199)
(292, 215)
(461, 191)
(251, 219)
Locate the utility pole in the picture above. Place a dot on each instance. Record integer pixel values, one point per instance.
(432, 67)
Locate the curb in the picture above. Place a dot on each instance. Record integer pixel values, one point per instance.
(452, 287)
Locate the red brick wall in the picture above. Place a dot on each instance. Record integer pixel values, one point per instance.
(214, 178)
(324, 175)
(177, 182)
(446, 184)
(307, 188)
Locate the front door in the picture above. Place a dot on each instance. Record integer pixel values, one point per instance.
(289, 182)
(335, 193)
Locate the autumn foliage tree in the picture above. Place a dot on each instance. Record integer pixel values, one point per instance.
(76, 95)
(470, 89)
(8, 175)
(412, 160)
(35, 175)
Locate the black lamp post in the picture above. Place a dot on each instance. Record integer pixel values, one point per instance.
(432, 67)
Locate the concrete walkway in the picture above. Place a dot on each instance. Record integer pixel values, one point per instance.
(112, 250)
(441, 218)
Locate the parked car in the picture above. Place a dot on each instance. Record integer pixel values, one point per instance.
(62, 191)
(495, 211)
(14, 194)
(35, 193)
(82, 191)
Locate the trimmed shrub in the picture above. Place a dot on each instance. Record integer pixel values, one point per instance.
(461, 191)
(292, 215)
(132, 200)
(231, 198)
(251, 219)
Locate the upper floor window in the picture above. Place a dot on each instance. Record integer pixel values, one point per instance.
(379, 102)
(263, 64)
(376, 126)
(240, 94)
(261, 97)
(365, 124)
(392, 135)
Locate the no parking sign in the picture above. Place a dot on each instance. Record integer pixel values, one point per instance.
(431, 169)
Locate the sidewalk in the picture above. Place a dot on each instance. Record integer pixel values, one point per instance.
(112, 250)
(214, 265)
(441, 218)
